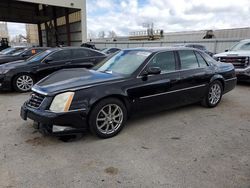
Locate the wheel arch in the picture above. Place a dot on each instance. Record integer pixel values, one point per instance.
(219, 78)
(20, 73)
(122, 98)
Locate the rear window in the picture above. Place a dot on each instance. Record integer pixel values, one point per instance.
(188, 59)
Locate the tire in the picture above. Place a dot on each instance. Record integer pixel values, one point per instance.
(214, 95)
(23, 82)
(107, 118)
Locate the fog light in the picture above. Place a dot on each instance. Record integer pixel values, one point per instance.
(1, 85)
(57, 129)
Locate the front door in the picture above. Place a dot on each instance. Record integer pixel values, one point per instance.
(157, 91)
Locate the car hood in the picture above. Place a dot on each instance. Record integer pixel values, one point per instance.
(72, 79)
(233, 53)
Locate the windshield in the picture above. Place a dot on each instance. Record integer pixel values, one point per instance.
(7, 51)
(125, 62)
(241, 46)
(40, 56)
(18, 52)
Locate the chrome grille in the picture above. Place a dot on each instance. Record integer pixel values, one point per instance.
(238, 62)
(36, 100)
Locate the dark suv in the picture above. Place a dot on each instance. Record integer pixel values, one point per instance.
(21, 75)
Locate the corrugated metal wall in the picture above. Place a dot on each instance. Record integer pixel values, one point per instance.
(214, 45)
(75, 30)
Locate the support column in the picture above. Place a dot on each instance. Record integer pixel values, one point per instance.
(55, 25)
(84, 22)
(67, 27)
(40, 35)
(46, 27)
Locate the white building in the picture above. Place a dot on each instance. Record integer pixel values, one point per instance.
(4, 30)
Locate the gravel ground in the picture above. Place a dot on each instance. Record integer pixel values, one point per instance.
(186, 147)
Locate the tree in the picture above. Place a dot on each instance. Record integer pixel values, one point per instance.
(101, 34)
(112, 34)
(91, 35)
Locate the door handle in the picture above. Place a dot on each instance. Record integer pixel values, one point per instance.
(67, 63)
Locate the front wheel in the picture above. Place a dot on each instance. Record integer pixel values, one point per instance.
(23, 82)
(107, 118)
(214, 95)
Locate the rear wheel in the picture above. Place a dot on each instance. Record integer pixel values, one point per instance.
(23, 82)
(107, 118)
(214, 95)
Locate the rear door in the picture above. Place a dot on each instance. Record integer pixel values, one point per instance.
(195, 75)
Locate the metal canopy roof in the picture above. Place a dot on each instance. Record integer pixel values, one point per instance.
(26, 12)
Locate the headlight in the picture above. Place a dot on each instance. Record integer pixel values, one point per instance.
(62, 102)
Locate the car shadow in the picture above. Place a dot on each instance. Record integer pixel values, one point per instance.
(243, 83)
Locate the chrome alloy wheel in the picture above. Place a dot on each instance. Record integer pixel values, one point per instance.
(214, 94)
(109, 119)
(24, 83)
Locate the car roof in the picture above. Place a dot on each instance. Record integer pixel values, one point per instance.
(245, 40)
(159, 49)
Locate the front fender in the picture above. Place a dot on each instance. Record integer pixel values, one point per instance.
(86, 98)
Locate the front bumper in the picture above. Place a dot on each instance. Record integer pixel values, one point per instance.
(5, 83)
(73, 121)
(243, 74)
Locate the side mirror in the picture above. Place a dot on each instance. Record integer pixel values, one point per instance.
(226, 50)
(152, 71)
(48, 59)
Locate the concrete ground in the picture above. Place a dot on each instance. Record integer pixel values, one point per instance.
(190, 147)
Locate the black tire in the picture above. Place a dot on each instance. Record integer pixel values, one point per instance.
(108, 122)
(206, 102)
(26, 88)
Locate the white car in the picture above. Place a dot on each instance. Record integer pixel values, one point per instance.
(239, 56)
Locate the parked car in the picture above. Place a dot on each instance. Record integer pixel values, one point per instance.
(11, 50)
(21, 75)
(89, 45)
(110, 51)
(239, 56)
(131, 81)
(196, 46)
(21, 54)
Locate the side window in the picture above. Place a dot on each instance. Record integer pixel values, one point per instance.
(93, 53)
(164, 60)
(246, 46)
(61, 55)
(29, 53)
(201, 60)
(188, 59)
(80, 53)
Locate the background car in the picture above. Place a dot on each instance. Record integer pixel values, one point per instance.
(131, 81)
(21, 54)
(239, 56)
(110, 51)
(21, 75)
(196, 46)
(11, 50)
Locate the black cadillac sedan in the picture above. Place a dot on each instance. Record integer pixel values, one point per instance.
(22, 75)
(131, 81)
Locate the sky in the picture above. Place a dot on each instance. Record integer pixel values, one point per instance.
(124, 16)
